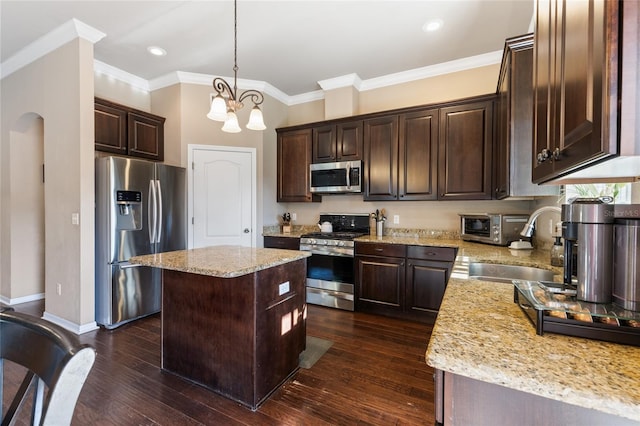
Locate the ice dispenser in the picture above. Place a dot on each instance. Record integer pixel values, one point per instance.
(129, 212)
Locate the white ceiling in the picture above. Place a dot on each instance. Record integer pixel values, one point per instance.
(291, 45)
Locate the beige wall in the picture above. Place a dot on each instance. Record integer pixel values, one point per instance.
(59, 88)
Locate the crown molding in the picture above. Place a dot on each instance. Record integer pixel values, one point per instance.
(60, 36)
(463, 64)
(140, 83)
(340, 82)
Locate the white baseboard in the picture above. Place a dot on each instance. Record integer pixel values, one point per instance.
(23, 299)
(71, 326)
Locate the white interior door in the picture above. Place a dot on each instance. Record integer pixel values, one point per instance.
(223, 196)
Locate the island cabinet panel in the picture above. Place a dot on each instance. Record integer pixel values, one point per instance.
(240, 337)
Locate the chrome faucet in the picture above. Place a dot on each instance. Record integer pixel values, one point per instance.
(527, 230)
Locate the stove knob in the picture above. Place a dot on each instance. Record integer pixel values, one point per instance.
(341, 243)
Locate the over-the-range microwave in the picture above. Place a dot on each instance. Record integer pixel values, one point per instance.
(336, 178)
(492, 228)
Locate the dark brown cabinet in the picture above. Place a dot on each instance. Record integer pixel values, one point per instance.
(428, 271)
(401, 155)
(380, 275)
(575, 85)
(127, 131)
(465, 150)
(402, 281)
(418, 156)
(294, 158)
(514, 126)
(381, 158)
(337, 142)
(288, 243)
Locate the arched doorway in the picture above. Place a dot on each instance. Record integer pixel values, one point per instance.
(27, 187)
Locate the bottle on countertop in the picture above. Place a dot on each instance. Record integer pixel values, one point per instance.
(557, 253)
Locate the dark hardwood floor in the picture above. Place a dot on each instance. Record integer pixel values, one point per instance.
(374, 374)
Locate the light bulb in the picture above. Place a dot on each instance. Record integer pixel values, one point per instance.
(218, 111)
(231, 123)
(256, 121)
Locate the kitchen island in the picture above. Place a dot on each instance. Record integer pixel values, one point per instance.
(233, 318)
(492, 367)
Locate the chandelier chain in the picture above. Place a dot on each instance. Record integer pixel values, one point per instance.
(235, 47)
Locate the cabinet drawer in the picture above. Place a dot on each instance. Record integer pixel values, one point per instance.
(446, 254)
(381, 249)
(289, 243)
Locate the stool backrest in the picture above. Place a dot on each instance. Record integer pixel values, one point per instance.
(54, 358)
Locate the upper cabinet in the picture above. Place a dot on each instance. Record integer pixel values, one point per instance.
(294, 158)
(127, 131)
(575, 79)
(418, 155)
(381, 158)
(514, 127)
(337, 142)
(465, 151)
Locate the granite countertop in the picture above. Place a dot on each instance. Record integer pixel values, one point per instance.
(482, 334)
(220, 261)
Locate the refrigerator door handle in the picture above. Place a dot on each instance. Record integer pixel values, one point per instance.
(152, 212)
(127, 265)
(159, 204)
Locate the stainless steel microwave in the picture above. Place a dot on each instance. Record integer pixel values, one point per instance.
(492, 228)
(336, 178)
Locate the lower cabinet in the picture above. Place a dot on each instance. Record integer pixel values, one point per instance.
(289, 243)
(402, 281)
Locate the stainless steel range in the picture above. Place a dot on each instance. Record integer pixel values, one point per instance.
(330, 269)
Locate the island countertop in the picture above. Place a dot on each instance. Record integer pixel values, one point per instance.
(480, 333)
(220, 261)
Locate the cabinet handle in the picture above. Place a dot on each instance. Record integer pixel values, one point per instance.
(543, 156)
(556, 154)
(378, 249)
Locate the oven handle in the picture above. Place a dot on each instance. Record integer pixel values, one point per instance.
(324, 253)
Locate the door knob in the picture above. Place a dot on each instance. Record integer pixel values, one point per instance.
(246, 230)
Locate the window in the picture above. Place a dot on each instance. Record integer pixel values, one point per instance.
(620, 192)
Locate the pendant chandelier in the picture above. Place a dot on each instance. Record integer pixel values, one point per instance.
(227, 100)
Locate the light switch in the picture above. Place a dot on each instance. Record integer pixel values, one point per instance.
(396, 219)
(75, 218)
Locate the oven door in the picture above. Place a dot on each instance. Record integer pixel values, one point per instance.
(330, 281)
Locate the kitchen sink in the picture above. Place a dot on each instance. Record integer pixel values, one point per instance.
(506, 273)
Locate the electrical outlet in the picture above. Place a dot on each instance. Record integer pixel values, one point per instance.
(294, 216)
(75, 218)
(59, 289)
(396, 219)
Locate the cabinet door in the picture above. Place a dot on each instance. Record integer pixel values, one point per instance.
(576, 85)
(145, 136)
(294, 157)
(503, 117)
(418, 156)
(381, 158)
(349, 140)
(379, 283)
(324, 144)
(465, 148)
(110, 128)
(426, 283)
(544, 54)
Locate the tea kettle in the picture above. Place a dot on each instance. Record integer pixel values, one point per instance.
(325, 227)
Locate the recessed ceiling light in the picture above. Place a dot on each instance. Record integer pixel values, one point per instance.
(156, 51)
(432, 25)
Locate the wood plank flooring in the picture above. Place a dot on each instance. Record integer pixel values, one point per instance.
(373, 374)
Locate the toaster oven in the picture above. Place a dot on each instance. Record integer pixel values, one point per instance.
(492, 228)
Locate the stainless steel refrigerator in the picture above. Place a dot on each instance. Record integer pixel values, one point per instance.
(140, 209)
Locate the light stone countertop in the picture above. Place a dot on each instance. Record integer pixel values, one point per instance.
(480, 333)
(220, 261)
